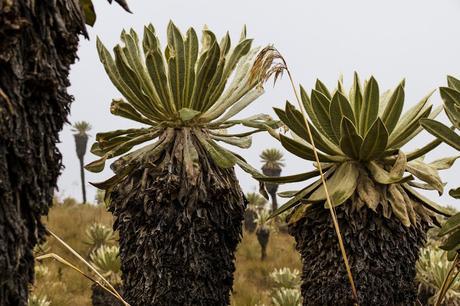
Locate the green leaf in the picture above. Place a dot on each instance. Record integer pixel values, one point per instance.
(455, 193)
(356, 97)
(320, 106)
(221, 157)
(339, 108)
(370, 106)
(451, 225)
(97, 165)
(289, 178)
(157, 73)
(395, 175)
(319, 86)
(206, 66)
(191, 55)
(187, 114)
(451, 99)
(242, 142)
(398, 204)
(394, 109)
(301, 150)
(452, 241)
(453, 82)
(427, 202)
(444, 163)
(351, 142)
(88, 11)
(340, 186)
(375, 142)
(296, 122)
(309, 109)
(301, 195)
(442, 132)
(123, 109)
(242, 104)
(404, 134)
(426, 173)
(176, 64)
(410, 117)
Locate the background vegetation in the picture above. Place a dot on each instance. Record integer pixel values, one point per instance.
(69, 220)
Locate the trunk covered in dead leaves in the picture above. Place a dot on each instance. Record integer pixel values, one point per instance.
(179, 227)
(38, 43)
(382, 254)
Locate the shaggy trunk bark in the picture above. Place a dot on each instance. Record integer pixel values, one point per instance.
(178, 234)
(382, 254)
(81, 142)
(38, 43)
(100, 297)
(263, 235)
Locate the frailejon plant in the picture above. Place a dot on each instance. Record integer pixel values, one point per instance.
(177, 203)
(286, 278)
(264, 227)
(81, 129)
(98, 235)
(371, 183)
(255, 203)
(451, 229)
(107, 262)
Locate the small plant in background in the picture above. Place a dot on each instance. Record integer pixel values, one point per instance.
(36, 300)
(41, 271)
(255, 203)
(106, 260)
(286, 297)
(263, 231)
(285, 277)
(100, 195)
(287, 287)
(81, 129)
(432, 269)
(98, 235)
(273, 165)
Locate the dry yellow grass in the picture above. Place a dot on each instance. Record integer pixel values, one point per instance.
(64, 286)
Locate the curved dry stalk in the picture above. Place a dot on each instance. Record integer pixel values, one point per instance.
(270, 62)
(65, 262)
(75, 253)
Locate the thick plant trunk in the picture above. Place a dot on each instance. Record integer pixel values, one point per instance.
(382, 254)
(271, 187)
(82, 177)
(38, 43)
(178, 234)
(250, 217)
(100, 297)
(263, 235)
(274, 199)
(81, 142)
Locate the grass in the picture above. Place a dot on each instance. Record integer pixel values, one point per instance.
(63, 286)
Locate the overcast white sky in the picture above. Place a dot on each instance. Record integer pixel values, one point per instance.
(414, 39)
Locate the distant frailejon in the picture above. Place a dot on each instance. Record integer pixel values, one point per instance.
(371, 182)
(177, 202)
